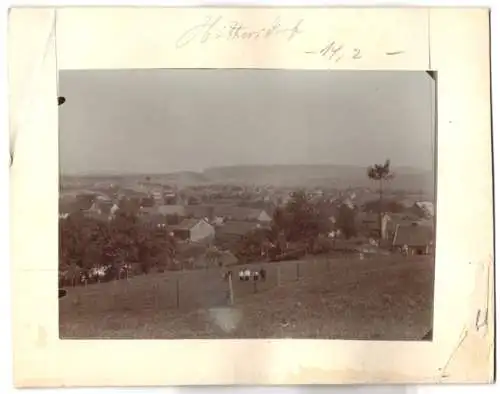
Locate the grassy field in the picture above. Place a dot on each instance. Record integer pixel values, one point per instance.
(378, 299)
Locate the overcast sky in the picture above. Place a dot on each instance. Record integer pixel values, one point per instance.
(158, 121)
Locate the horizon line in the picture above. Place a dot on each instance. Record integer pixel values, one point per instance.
(153, 173)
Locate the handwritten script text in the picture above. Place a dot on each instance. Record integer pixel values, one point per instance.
(215, 28)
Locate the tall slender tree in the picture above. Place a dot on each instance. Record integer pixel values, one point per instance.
(381, 173)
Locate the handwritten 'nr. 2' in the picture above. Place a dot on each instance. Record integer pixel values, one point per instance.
(214, 28)
(336, 51)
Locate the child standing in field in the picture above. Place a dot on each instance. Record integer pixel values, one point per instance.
(405, 250)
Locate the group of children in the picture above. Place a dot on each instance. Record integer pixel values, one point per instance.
(247, 275)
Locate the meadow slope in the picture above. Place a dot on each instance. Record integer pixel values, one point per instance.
(377, 299)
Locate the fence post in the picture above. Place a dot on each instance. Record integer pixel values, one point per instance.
(298, 270)
(230, 283)
(156, 295)
(177, 292)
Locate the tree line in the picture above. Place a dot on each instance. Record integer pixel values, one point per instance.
(301, 223)
(87, 242)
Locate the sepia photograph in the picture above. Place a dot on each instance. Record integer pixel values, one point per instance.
(247, 204)
(283, 199)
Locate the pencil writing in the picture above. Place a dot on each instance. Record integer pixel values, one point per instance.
(215, 28)
(336, 51)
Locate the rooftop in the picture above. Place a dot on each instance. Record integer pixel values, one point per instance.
(237, 213)
(186, 224)
(237, 228)
(413, 235)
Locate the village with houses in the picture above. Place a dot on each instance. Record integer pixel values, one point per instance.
(219, 225)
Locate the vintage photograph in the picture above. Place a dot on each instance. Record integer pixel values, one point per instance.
(246, 203)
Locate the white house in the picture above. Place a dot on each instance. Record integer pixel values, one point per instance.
(194, 230)
(427, 207)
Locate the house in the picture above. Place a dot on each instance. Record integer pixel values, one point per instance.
(417, 238)
(219, 213)
(162, 211)
(426, 207)
(95, 208)
(157, 195)
(79, 203)
(233, 213)
(218, 221)
(407, 202)
(130, 206)
(170, 197)
(261, 203)
(153, 221)
(194, 230)
(102, 197)
(368, 224)
(403, 219)
(105, 207)
(132, 193)
(100, 210)
(170, 210)
(233, 231)
(348, 202)
(200, 212)
(148, 201)
(146, 211)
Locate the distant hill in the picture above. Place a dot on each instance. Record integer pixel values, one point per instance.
(341, 176)
(183, 178)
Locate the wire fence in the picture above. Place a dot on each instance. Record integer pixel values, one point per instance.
(206, 288)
